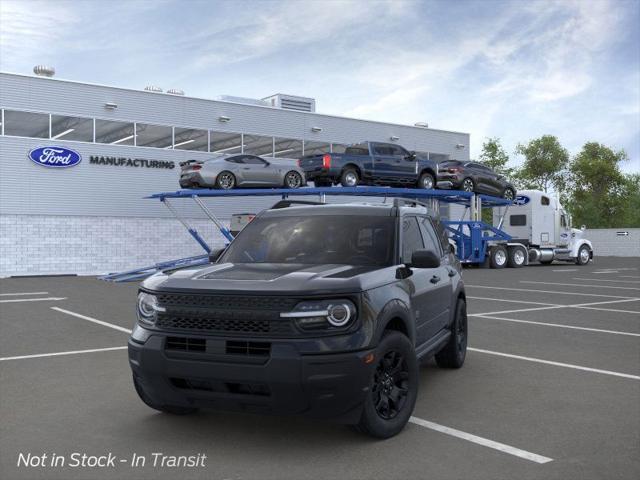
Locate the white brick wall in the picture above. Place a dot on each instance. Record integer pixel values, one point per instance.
(45, 245)
(607, 242)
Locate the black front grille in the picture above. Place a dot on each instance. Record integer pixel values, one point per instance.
(262, 349)
(186, 344)
(232, 315)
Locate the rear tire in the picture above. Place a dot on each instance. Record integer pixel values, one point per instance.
(498, 257)
(349, 178)
(455, 351)
(225, 180)
(293, 180)
(426, 181)
(468, 185)
(393, 388)
(509, 194)
(171, 409)
(517, 257)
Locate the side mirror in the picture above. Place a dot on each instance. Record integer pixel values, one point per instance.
(214, 255)
(411, 156)
(425, 259)
(583, 227)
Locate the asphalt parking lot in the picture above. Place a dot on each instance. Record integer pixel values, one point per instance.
(550, 389)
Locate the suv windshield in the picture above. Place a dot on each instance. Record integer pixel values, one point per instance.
(315, 239)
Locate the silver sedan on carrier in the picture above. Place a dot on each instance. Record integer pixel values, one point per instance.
(231, 171)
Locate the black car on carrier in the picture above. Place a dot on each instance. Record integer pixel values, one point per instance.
(319, 310)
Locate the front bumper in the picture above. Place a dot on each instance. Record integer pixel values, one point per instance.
(284, 382)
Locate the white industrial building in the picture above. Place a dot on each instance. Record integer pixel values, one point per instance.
(92, 218)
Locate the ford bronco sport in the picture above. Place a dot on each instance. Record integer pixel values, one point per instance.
(321, 310)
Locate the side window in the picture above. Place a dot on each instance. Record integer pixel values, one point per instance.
(411, 238)
(398, 151)
(517, 220)
(544, 201)
(238, 159)
(382, 150)
(253, 160)
(431, 242)
(563, 221)
(441, 232)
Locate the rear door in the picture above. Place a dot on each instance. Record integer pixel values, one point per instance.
(404, 166)
(383, 161)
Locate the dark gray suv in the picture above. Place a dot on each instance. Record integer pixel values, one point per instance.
(321, 310)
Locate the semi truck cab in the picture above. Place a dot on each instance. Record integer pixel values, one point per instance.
(538, 221)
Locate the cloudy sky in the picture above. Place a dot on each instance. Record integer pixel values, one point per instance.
(512, 69)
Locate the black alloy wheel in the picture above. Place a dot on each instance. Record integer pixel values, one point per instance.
(390, 385)
(225, 180)
(293, 179)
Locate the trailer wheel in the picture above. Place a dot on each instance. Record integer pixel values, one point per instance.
(584, 255)
(498, 257)
(517, 257)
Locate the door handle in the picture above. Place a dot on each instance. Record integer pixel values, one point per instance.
(435, 279)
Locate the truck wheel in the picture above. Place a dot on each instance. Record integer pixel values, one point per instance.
(468, 185)
(393, 388)
(584, 255)
(517, 257)
(498, 257)
(455, 351)
(349, 178)
(426, 181)
(174, 410)
(225, 180)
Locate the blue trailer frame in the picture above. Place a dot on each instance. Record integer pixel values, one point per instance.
(472, 237)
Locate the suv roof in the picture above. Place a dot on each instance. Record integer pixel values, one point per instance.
(368, 209)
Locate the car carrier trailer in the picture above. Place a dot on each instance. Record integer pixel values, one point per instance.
(474, 241)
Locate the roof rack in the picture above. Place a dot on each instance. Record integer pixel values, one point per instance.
(290, 203)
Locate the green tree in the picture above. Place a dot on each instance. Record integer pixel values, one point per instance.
(544, 165)
(494, 156)
(599, 194)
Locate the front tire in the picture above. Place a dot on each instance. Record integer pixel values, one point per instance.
(293, 180)
(225, 180)
(393, 388)
(584, 255)
(455, 351)
(349, 178)
(426, 181)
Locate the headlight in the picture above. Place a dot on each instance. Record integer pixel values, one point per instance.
(148, 308)
(323, 314)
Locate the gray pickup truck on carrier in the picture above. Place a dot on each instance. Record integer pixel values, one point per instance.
(319, 310)
(371, 163)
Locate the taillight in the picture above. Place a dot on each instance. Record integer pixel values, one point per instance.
(454, 170)
(196, 167)
(326, 161)
(299, 162)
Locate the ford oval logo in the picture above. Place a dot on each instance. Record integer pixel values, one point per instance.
(55, 157)
(521, 200)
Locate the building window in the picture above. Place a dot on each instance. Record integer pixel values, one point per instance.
(115, 133)
(316, 148)
(258, 145)
(226, 143)
(26, 124)
(191, 139)
(157, 136)
(287, 148)
(71, 128)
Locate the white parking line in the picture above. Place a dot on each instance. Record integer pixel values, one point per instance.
(47, 299)
(57, 354)
(566, 270)
(581, 285)
(605, 280)
(94, 320)
(629, 276)
(556, 364)
(588, 306)
(559, 325)
(22, 293)
(550, 291)
(485, 442)
(512, 301)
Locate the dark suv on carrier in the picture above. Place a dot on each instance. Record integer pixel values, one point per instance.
(321, 310)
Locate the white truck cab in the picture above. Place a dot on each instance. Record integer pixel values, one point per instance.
(538, 224)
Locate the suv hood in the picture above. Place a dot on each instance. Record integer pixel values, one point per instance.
(266, 278)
